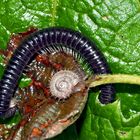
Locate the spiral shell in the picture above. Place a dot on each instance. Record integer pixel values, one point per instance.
(62, 83)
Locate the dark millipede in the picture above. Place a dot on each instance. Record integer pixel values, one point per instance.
(46, 38)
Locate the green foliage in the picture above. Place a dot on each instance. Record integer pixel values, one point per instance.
(114, 25)
(24, 82)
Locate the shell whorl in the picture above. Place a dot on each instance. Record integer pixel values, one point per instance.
(63, 83)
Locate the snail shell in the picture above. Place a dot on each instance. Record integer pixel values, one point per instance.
(62, 83)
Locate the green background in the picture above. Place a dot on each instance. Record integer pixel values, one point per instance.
(114, 25)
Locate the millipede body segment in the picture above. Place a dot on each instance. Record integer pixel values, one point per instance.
(51, 39)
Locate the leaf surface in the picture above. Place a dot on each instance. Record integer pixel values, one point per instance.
(114, 25)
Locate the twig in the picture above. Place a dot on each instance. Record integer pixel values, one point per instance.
(114, 78)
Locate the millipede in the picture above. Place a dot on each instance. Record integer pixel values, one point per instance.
(54, 39)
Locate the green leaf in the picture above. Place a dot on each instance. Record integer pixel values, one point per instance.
(1, 66)
(114, 25)
(108, 122)
(11, 121)
(24, 82)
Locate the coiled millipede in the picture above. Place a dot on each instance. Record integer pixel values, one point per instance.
(64, 51)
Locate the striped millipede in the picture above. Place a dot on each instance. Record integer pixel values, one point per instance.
(48, 39)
